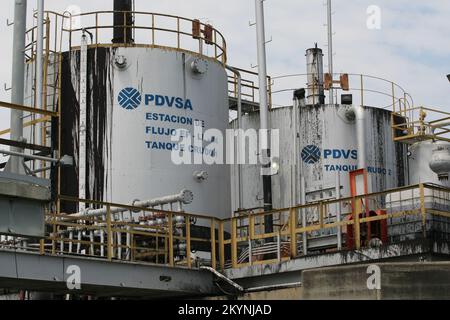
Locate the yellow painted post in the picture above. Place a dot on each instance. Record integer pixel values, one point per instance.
(393, 98)
(221, 246)
(423, 210)
(251, 236)
(171, 258)
(213, 244)
(234, 261)
(405, 106)
(42, 247)
(356, 224)
(362, 91)
(188, 241)
(292, 229)
(109, 233)
(322, 214)
(252, 227)
(54, 228)
(393, 126)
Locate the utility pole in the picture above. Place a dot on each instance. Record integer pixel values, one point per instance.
(18, 75)
(264, 113)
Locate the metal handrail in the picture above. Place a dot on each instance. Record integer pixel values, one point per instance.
(415, 127)
(244, 229)
(397, 94)
(218, 41)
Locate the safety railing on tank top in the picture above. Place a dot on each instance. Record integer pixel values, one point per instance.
(366, 90)
(366, 221)
(64, 32)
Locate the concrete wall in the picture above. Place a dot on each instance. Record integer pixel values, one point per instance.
(415, 281)
(397, 281)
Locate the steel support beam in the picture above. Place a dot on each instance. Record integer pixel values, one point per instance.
(29, 271)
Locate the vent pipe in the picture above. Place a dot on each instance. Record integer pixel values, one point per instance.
(330, 47)
(314, 63)
(123, 22)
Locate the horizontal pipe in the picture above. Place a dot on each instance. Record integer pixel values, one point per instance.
(185, 197)
(221, 276)
(275, 287)
(28, 156)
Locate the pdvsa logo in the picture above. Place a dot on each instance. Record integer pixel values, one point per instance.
(312, 154)
(130, 98)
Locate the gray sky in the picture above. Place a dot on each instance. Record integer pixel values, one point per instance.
(411, 48)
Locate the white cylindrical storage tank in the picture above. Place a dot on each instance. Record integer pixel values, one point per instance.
(326, 146)
(137, 98)
(420, 157)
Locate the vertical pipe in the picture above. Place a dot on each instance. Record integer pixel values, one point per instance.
(262, 64)
(18, 76)
(119, 245)
(264, 111)
(123, 22)
(40, 54)
(82, 124)
(339, 209)
(102, 241)
(299, 101)
(240, 142)
(238, 91)
(314, 64)
(294, 155)
(361, 136)
(128, 254)
(70, 242)
(304, 220)
(330, 47)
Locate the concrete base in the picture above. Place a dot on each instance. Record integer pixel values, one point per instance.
(397, 281)
(22, 205)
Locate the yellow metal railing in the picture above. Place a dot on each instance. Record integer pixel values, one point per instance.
(41, 118)
(64, 33)
(250, 88)
(367, 90)
(420, 123)
(239, 241)
(122, 237)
